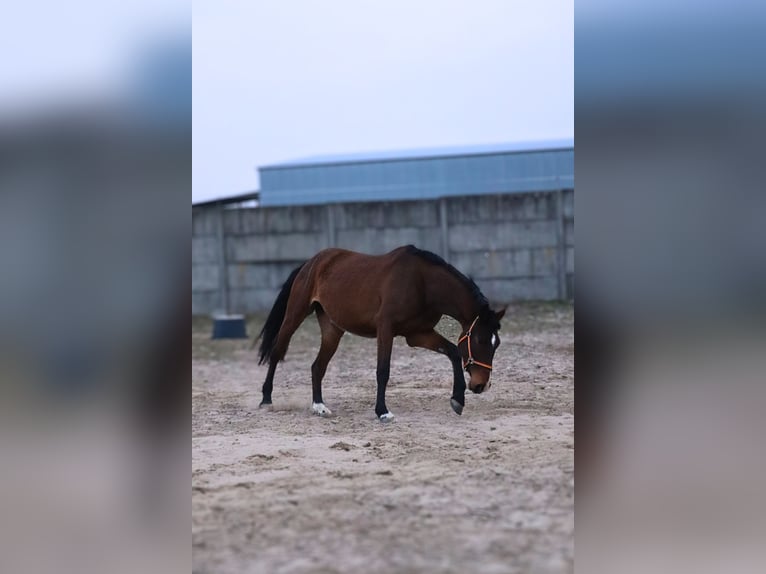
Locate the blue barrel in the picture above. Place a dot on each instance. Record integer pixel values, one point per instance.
(229, 327)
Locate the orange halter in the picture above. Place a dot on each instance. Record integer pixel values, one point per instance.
(471, 360)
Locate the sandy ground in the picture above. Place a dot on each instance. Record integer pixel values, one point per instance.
(285, 491)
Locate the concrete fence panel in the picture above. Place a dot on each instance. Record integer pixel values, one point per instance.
(516, 246)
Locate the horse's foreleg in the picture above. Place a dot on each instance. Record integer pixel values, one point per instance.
(385, 344)
(433, 341)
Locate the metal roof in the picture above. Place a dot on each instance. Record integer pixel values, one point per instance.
(427, 153)
(414, 174)
(238, 198)
(421, 174)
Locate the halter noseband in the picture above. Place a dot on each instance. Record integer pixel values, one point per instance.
(471, 360)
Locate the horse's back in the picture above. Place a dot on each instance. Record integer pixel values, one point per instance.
(352, 286)
(357, 267)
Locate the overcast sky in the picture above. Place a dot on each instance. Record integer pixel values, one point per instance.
(281, 80)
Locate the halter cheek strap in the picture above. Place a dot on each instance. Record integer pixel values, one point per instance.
(471, 360)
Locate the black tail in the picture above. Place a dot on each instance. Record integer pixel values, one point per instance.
(268, 334)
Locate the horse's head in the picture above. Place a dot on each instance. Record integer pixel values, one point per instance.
(477, 346)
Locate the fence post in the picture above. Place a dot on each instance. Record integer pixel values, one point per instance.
(561, 248)
(444, 227)
(223, 278)
(331, 237)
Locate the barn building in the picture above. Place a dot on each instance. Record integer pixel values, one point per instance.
(503, 214)
(420, 174)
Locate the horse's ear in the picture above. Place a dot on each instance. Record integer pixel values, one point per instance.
(500, 314)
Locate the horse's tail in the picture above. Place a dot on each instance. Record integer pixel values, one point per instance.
(268, 334)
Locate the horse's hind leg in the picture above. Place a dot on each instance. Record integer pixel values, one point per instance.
(293, 318)
(331, 335)
(268, 384)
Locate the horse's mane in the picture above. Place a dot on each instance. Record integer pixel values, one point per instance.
(485, 313)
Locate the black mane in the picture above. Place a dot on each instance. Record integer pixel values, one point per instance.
(485, 313)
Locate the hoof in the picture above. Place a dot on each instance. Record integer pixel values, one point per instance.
(265, 405)
(386, 417)
(456, 406)
(320, 409)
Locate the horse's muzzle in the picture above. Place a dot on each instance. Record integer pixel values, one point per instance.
(478, 389)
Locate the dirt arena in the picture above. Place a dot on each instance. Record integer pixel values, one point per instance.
(285, 491)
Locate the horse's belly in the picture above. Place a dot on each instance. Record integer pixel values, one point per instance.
(351, 317)
(350, 294)
(362, 331)
(354, 325)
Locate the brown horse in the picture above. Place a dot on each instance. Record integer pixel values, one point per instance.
(402, 293)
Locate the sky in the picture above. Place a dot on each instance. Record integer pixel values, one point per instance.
(80, 49)
(274, 81)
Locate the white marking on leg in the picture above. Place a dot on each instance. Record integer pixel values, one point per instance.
(387, 417)
(321, 410)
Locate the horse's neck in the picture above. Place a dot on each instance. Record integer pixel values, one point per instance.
(453, 298)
